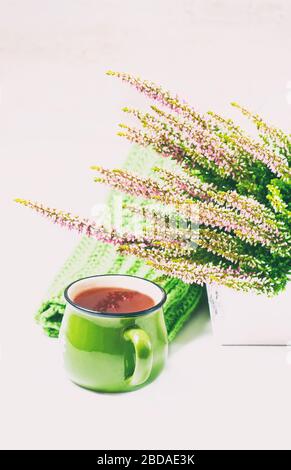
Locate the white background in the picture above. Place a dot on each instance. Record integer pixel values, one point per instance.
(58, 115)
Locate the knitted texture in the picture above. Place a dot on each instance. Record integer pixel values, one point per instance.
(91, 257)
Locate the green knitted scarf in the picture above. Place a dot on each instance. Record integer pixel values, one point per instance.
(91, 257)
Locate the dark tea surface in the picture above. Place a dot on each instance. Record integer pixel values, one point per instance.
(113, 300)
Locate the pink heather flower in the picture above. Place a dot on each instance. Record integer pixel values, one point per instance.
(157, 93)
(237, 139)
(206, 142)
(275, 134)
(223, 244)
(191, 272)
(166, 256)
(208, 213)
(217, 218)
(198, 146)
(159, 143)
(247, 206)
(84, 225)
(135, 185)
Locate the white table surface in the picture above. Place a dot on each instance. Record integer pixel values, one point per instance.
(58, 115)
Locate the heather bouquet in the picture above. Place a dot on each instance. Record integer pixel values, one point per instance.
(220, 214)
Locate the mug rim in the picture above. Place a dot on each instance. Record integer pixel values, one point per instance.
(121, 314)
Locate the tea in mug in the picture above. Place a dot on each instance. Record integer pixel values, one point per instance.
(113, 300)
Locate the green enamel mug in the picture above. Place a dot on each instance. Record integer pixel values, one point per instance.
(117, 352)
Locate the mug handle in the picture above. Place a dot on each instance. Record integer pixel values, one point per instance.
(143, 355)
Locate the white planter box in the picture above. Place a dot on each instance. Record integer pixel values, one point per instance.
(250, 319)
